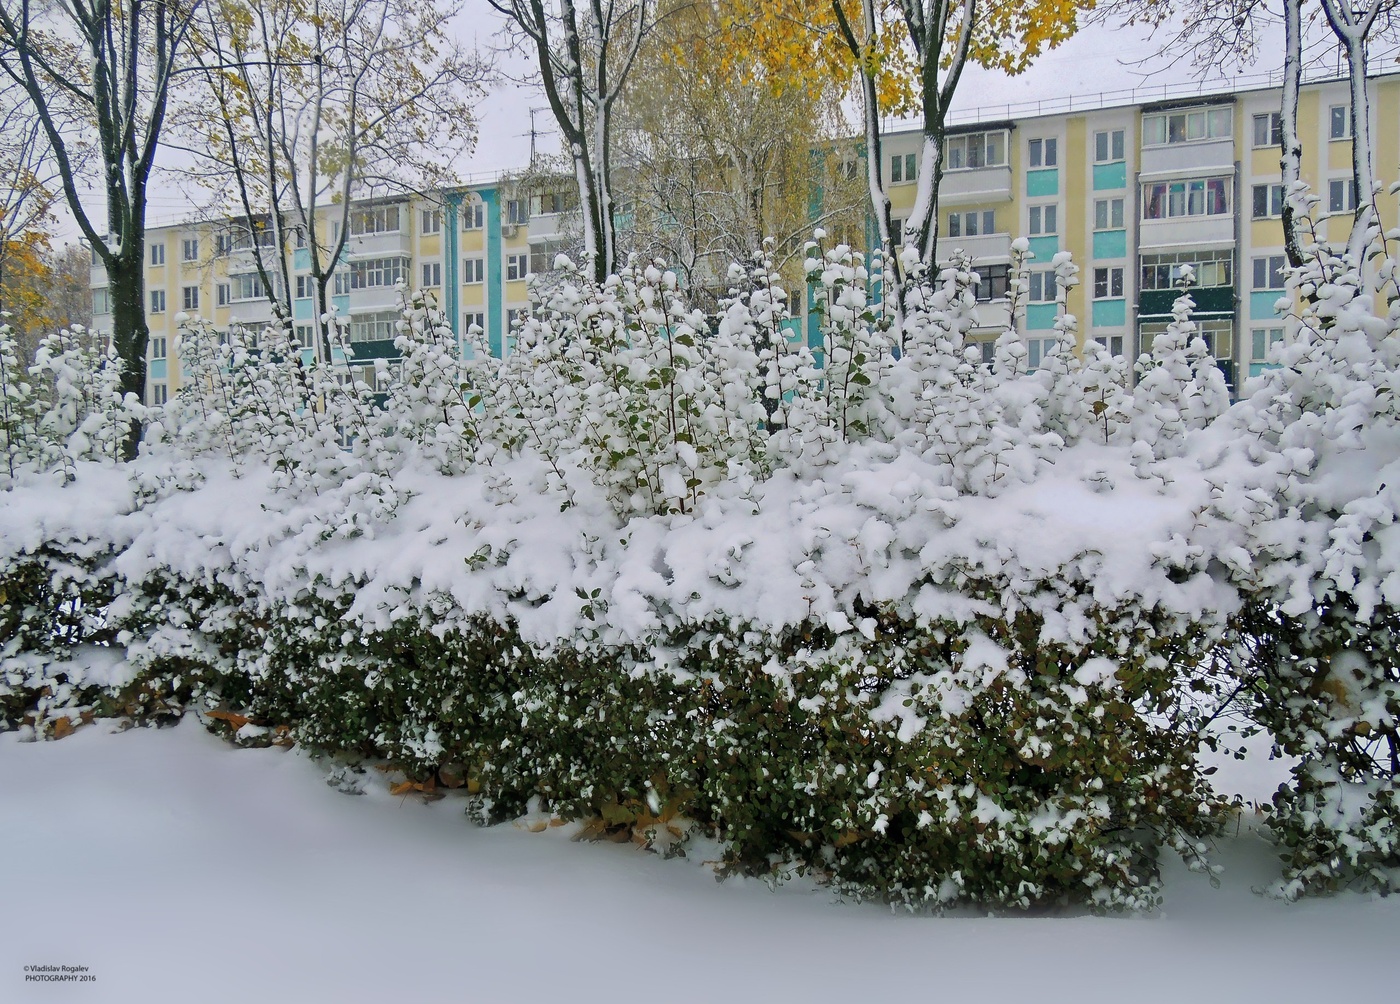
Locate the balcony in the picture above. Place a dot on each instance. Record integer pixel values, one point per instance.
(394, 242)
(374, 298)
(553, 226)
(1216, 156)
(981, 184)
(985, 247)
(1187, 231)
(250, 313)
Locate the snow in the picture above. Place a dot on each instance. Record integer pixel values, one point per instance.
(179, 868)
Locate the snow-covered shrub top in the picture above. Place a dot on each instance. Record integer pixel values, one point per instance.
(634, 476)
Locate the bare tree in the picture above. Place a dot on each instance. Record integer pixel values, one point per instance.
(318, 104)
(583, 64)
(94, 66)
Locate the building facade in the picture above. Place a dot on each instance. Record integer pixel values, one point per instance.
(1134, 190)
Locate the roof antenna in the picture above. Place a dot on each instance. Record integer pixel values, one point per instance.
(533, 131)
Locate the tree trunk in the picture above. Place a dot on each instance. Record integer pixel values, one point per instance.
(130, 333)
(1291, 146)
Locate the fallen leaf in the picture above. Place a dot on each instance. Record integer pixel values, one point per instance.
(62, 727)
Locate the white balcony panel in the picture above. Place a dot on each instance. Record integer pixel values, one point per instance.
(553, 226)
(97, 276)
(374, 298)
(1187, 231)
(379, 245)
(983, 184)
(1181, 160)
(994, 315)
(250, 313)
(983, 248)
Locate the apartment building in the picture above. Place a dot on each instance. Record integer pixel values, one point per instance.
(1135, 190)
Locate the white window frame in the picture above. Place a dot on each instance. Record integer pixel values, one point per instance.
(431, 273)
(431, 220)
(157, 301)
(1040, 286)
(1273, 129)
(1109, 278)
(517, 267)
(189, 297)
(1043, 220)
(158, 254)
(160, 347)
(1114, 144)
(1215, 122)
(1273, 200)
(473, 270)
(1341, 195)
(473, 216)
(189, 249)
(1043, 151)
(1332, 122)
(1113, 213)
(1271, 268)
(991, 146)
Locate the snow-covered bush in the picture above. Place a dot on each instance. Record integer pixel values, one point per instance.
(860, 606)
(1308, 478)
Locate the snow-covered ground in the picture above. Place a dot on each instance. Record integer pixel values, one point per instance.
(178, 868)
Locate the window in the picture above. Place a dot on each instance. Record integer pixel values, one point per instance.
(1108, 283)
(380, 326)
(1339, 122)
(473, 320)
(1040, 349)
(306, 288)
(157, 301)
(189, 298)
(432, 221)
(248, 286)
(340, 283)
(299, 237)
(157, 254)
(1108, 146)
(972, 150)
(1043, 220)
(1042, 286)
(1341, 195)
(1269, 271)
(848, 169)
(160, 394)
(1268, 130)
(1264, 339)
(378, 272)
(189, 249)
(303, 335)
(159, 348)
(1211, 268)
(223, 244)
(1198, 197)
(432, 273)
(473, 270)
(1268, 201)
(973, 223)
(473, 216)
(101, 301)
(993, 282)
(1114, 344)
(903, 167)
(548, 203)
(1108, 214)
(897, 230)
(1043, 152)
(1186, 126)
(379, 220)
(543, 256)
(517, 266)
(517, 212)
(222, 294)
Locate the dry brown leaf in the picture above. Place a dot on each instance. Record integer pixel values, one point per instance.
(403, 788)
(62, 727)
(235, 720)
